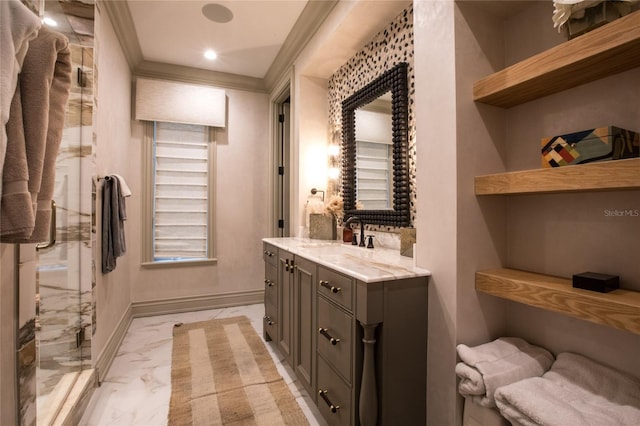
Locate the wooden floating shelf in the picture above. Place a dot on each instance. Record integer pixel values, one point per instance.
(618, 308)
(601, 176)
(608, 50)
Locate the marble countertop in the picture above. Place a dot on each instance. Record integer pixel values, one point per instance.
(367, 265)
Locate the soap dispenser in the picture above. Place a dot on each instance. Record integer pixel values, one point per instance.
(347, 234)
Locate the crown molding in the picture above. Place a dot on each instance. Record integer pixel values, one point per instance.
(184, 74)
(311, 18)
(305, 27)
(120, 17)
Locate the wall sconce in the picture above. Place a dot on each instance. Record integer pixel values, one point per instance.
(333, 172)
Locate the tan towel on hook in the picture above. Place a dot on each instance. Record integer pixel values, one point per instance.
(45, 82)
(18, 25)
(17, 212)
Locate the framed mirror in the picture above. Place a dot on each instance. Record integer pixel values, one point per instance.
(375, 175)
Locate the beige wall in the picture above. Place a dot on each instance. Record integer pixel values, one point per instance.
(311, 139)
(113, 143)
(436, 193)
(242, 193)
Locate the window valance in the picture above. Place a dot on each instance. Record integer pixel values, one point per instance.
(173, 102)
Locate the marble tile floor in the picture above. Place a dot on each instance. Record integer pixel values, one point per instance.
(137, 387)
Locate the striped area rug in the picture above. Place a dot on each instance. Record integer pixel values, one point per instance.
(222, 374)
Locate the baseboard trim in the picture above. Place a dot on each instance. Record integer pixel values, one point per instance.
(197, 303)
(107, 355)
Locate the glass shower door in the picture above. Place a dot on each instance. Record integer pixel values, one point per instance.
(63, 286)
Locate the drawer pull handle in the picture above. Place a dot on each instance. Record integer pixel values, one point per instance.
(269, 320)
(288, 265)
(269, 283)
(325, 333)
(323, 395)
(268, 253)
(331, 288)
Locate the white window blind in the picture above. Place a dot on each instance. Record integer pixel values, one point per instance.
(373, 171)
(181, 191)
(374, 155)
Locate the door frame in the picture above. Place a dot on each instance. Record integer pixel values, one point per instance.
(281, 143)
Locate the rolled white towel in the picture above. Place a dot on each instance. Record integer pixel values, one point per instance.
(471, 382)
(486, 367)
(576, 391)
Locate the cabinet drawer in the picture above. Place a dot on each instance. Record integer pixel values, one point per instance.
(336, 287)
(334, 396)
(335, 337)
(270, 254)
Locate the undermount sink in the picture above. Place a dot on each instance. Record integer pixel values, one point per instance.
(336, 247)
(342, 252)
(318, 245)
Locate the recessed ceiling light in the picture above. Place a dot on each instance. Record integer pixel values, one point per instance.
(50, 22)
(217, 13)
(210, 54)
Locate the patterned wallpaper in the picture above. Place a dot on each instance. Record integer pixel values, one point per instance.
(392, 45)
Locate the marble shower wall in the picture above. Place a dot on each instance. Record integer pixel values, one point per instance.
(392, 45)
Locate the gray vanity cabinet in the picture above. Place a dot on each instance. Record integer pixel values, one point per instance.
(359, 348)
(285, 304)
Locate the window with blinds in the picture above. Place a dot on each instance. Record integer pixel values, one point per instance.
(374, 155)
(373, 170)
(181, 198)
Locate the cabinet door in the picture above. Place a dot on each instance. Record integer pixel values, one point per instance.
(285, 304)
(305, 342)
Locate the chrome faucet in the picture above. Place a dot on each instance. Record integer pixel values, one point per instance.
(348, 222)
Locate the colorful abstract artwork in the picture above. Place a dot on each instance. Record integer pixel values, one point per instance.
(603, 143)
